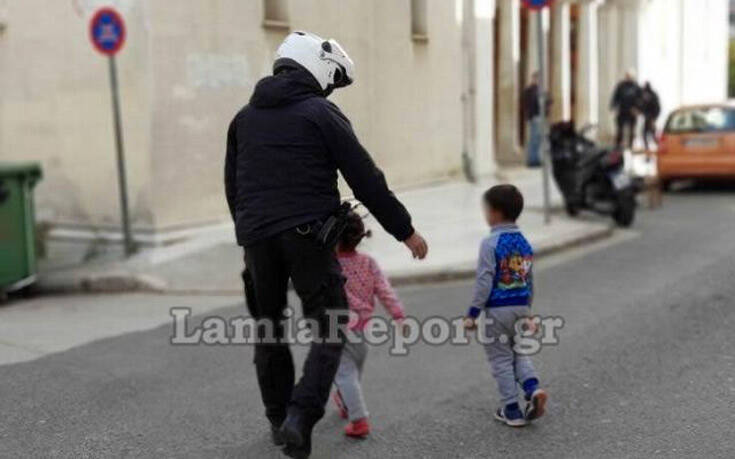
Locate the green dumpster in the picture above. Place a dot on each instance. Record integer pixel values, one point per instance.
(17, 225)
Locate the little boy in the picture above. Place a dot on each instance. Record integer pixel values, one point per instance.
(504, 289)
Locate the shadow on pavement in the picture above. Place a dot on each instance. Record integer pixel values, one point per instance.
(703, 186)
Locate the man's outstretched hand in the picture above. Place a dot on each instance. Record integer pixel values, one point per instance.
(417, 245)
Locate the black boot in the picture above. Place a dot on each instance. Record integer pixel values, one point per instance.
(301, 452)
(276, 435)
(296, 433)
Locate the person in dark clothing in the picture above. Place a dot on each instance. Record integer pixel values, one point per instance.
(532, 115)
(651, 108)
(284, 149)
(625, 101)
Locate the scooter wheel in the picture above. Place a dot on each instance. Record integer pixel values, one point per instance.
(625, 212)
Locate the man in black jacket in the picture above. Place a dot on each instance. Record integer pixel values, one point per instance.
(283, 152)
(651, 107)
(532, 116)
(531, 113)
(625, 100)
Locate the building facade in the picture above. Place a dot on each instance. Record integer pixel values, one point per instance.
(679, 46)
(437, 89)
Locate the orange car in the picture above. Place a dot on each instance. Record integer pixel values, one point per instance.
(698, 142)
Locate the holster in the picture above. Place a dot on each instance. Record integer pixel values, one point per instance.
(328, 232)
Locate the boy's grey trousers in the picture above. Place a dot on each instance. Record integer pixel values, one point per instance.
(508, 367)
(348, 377)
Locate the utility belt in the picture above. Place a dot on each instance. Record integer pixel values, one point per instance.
(327, 232)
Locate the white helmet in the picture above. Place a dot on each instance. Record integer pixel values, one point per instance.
(326, 60)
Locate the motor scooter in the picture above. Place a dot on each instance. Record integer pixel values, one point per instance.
(590, 177)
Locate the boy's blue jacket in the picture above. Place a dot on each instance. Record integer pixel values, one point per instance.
(504, 270)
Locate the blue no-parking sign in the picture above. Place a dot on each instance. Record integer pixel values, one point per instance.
(107, 31)
(537, 4)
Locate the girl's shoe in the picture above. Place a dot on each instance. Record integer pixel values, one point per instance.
(536, 407)
(511, 416)
(358, 429)
(337, 397)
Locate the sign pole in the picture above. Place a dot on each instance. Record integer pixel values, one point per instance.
(119, 147)
(545, 163)
(107, 34)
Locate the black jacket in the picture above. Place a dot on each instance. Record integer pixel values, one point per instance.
(650, 103)
(626, 98)
(530, 103)
(283, 152)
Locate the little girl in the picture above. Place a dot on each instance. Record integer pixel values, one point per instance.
(364, 282)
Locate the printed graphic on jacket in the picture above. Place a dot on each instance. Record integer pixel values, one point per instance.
(512, 285)
(514, 271)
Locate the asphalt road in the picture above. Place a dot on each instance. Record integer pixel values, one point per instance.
(645, 366)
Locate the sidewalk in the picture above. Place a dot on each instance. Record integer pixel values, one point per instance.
(448, 215)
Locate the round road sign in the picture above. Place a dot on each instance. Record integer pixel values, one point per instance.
(107, 31)
(537, 4)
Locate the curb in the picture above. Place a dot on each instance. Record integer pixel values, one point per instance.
(129, 282)
(121, 282)
(464, 272)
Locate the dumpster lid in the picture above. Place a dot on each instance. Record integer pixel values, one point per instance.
(28, 169)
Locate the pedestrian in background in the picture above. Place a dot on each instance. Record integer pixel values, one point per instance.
(532, 116)
(284, 150)
(625, 101)
(504, 290)
(651, 108)
(364, 284)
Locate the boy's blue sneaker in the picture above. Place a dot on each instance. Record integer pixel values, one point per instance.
(536, 406)
(511, 415)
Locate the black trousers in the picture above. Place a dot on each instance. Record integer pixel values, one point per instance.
(625, 123)
(318, 281)
(649, 131)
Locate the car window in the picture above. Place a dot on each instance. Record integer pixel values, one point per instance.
(698, 120)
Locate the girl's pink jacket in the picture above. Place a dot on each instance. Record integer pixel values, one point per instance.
(364, 283)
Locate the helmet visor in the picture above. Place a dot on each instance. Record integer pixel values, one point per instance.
(346, 66)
